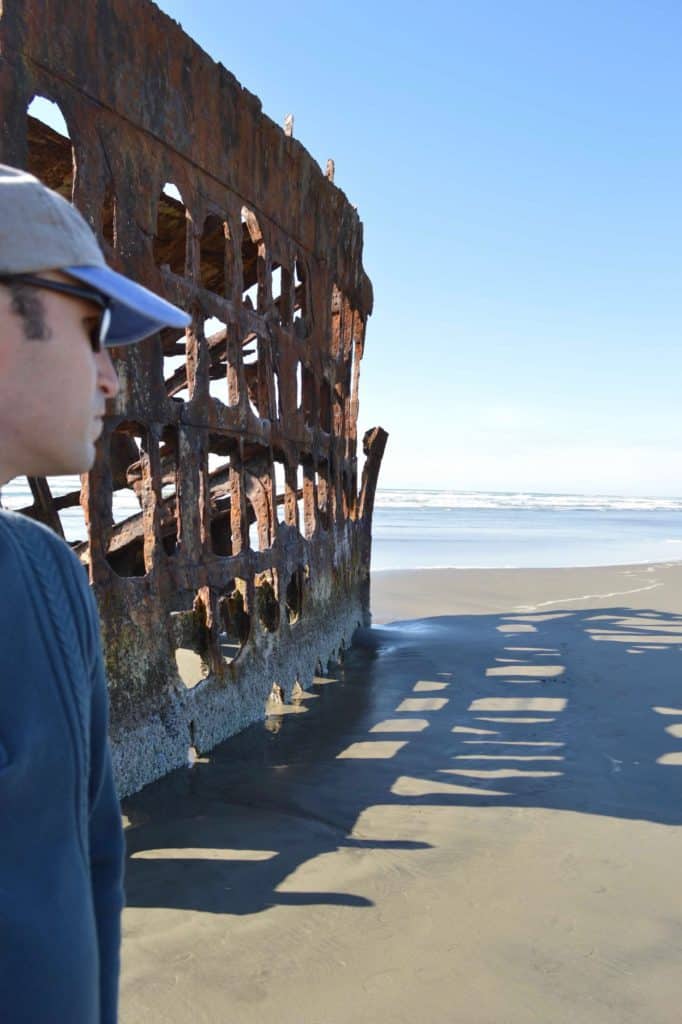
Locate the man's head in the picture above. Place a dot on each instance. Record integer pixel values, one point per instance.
(60, 307)
(53, 386)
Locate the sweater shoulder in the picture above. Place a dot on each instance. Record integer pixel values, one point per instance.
(43, 552)
(29, 531)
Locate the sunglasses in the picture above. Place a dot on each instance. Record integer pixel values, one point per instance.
(98, 333)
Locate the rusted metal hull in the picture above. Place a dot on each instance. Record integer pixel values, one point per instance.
(244, 561)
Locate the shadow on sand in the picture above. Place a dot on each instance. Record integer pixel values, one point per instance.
(577, 711)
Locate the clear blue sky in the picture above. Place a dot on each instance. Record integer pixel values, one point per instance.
(518, 168)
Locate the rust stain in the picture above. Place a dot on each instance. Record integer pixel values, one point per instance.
(243, 560)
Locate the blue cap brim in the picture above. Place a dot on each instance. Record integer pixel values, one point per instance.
(135, 311)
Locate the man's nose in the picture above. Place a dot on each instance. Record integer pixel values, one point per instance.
(107, 378)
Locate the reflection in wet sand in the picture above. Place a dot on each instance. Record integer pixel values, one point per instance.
(425, 843)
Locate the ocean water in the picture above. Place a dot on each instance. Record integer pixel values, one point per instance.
(17, 495)
(458, 529)
(454, 529)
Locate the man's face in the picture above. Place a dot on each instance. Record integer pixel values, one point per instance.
(53, 390)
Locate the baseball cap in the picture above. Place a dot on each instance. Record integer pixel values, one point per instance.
(40, 230)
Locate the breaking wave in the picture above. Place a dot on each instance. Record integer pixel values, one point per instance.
(521, 500)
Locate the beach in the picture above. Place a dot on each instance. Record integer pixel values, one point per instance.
(474, 819)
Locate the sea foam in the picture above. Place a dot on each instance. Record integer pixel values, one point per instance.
(521, 500)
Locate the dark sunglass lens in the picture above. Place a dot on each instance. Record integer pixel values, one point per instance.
(95, 338)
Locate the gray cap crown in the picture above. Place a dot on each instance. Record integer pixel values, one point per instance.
(40, 231)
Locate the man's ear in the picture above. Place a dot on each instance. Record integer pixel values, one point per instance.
(6, 356)
(11, 332)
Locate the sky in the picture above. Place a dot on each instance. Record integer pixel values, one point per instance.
(518, 170)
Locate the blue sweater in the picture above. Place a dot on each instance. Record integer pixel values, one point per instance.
(61, 842)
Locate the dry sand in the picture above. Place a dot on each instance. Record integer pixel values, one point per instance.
(476, 820)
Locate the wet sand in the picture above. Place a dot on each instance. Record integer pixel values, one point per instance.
(475, 820)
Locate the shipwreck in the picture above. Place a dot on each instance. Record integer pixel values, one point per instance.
(240, 566)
